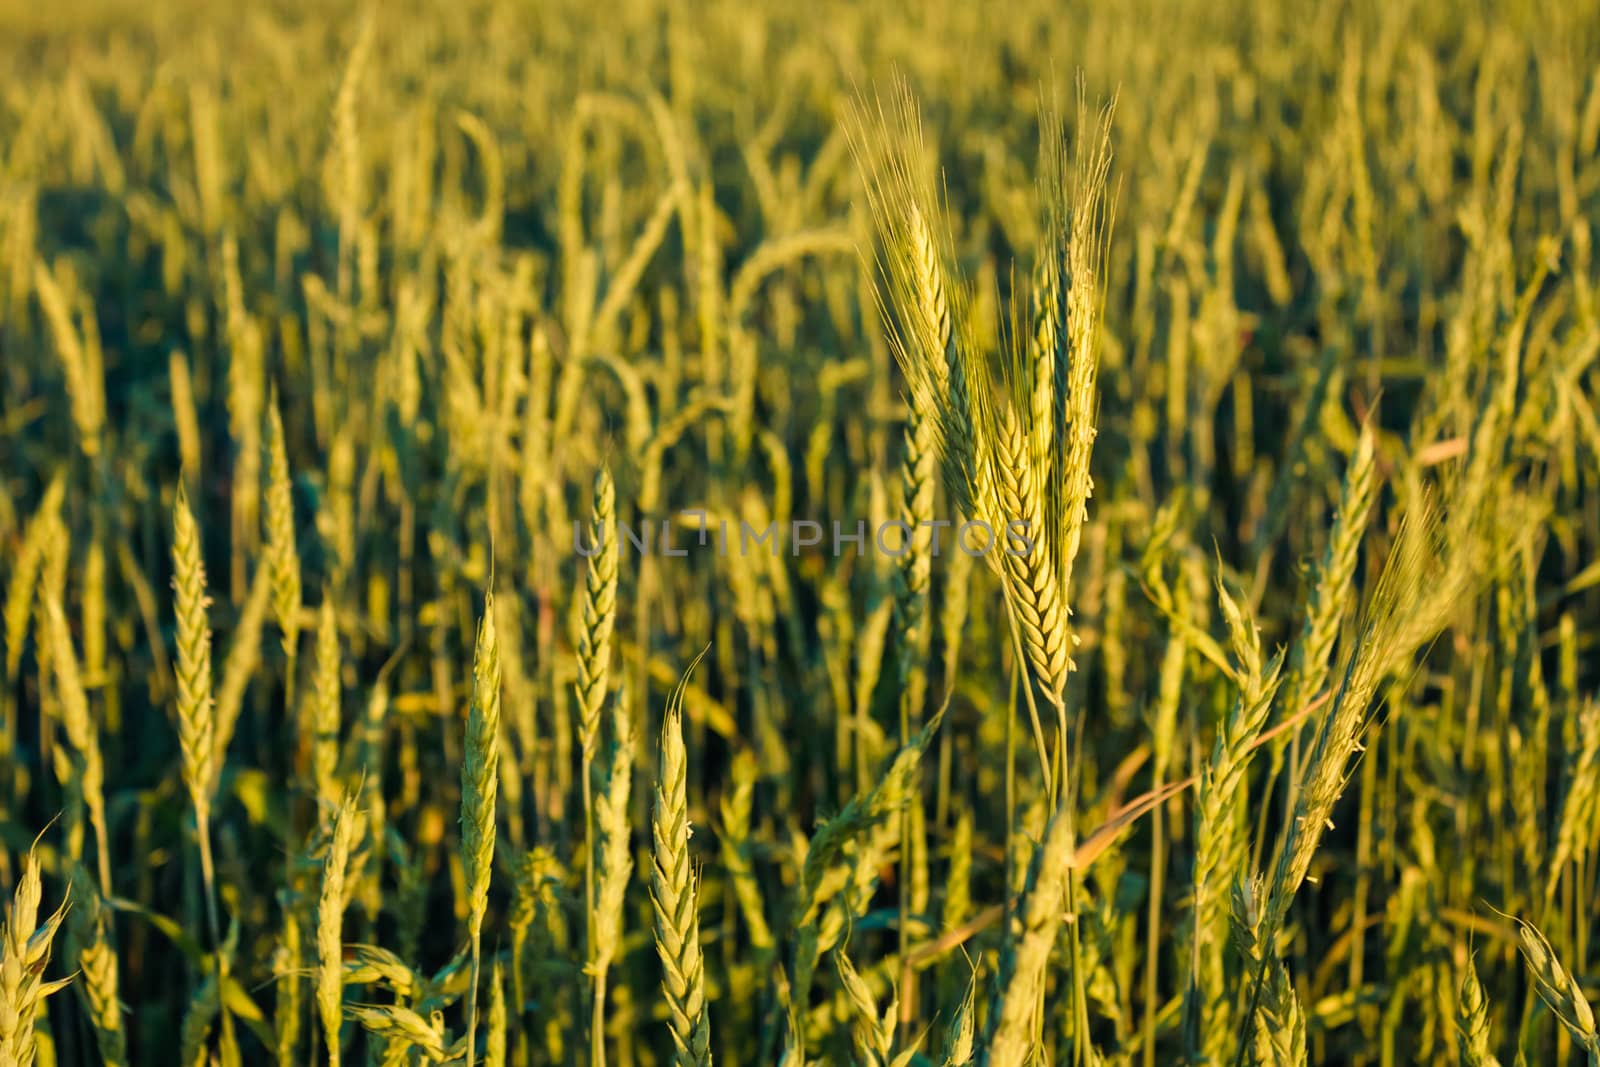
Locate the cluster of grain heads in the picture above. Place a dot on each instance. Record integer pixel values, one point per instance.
(1277, 1034)
(402, 1027)
(465, 308)
(871, 1030)
(1220, 834)
(1409, 605)
(825, 872)
(1009, 1037)
(25, 943)
(674, 895)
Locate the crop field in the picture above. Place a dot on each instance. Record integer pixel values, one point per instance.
(626, 533)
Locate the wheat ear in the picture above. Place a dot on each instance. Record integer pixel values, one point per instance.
(1472, 1021)
(673, 893)
(480, 782)
(1557, 988)
(330, 926)
(196, 712)
(24, 954)
(89, 941)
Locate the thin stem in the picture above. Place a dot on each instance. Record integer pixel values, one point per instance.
(597, 1023)
(472, 997)
(597, 1055)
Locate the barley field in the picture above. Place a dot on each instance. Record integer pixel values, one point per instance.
(628, 533)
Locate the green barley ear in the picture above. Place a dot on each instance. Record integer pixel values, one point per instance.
(1220, 845)
(330, 926)
(846, 837)
(282, 557)
(923, 311)
(1279, 1037)
(1557, 988)
(480, 778)
(24, 955)
(1089, 199)
(673, 893)
(403, 1026)
(873, 1034)
(958, 1040)
(1333, 591)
